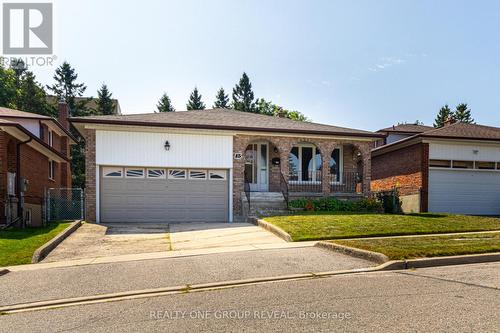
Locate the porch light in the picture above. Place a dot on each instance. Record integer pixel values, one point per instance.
(167, 145)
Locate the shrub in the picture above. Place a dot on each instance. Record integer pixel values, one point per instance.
(336, 205)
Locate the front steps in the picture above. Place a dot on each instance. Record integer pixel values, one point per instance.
(264, 204)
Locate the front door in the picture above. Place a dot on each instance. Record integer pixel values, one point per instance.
(256, 167)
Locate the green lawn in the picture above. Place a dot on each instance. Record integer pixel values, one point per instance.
(319, 225)
(430, 246)
(18, 245)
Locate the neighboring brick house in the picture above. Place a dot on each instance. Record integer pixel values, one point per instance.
(453, 169)
(34, 156)
(200, 165)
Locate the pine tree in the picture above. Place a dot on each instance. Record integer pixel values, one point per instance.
(463, 114)
(8, 90)
(243, 97)
(164, 104)
(442, 116)
(104, 101)
(32, 98)
(68, 89)
(221, 99)
(195, 102)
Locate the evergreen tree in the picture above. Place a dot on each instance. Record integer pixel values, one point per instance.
(195, 102)
(8, 91)
(164, 104)
(442, 116)
(68, 89)
(463, 114)
(104, 101)
(243, 97)
(221, 99)
(32, 98)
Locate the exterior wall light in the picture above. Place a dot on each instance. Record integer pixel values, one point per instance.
(167, 145)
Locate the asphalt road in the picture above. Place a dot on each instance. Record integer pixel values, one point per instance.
(448, 299)
(55, 283)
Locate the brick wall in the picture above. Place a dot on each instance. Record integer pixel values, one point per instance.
(283, 146)
(90, 180)
(406, 168)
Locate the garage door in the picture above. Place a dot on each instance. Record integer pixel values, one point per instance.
(464, 191)
(163, 195)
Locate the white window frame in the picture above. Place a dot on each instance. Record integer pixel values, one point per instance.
(129, 169)
(195, 170)
(52, 170)
(50, 138)
(106, 170)
(300, 146)
(171, 176)
(222, 173)
(164, 176)
(474, 168)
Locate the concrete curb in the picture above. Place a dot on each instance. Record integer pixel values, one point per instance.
(386, 264)
(45, 249)
(452, 260)
(3, 271)
(354, 252)
(271, 228)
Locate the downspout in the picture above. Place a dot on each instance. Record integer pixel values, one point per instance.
(20, 203)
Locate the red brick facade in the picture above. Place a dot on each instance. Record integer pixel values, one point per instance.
(283, 146)
(34, 167)
(406, 168)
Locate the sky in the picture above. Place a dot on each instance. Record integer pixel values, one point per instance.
(358, 64)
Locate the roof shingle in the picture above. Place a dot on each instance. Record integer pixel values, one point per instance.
(222, 119)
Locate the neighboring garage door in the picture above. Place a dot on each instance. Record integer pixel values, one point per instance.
(464, 191)
(163, 195)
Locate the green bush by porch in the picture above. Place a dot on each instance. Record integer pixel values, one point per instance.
(336, 205)
(326, 225)
(428, 246)
(18, 245)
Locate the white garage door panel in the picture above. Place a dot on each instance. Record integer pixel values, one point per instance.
(163, 200)
(464, 192)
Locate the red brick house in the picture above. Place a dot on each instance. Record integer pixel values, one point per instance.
(453, 169)
(203, 165)
(34, 156)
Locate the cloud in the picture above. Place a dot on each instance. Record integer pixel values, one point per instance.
(386, 62)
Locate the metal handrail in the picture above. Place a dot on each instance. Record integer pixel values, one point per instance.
(284, 188)
(247, 190)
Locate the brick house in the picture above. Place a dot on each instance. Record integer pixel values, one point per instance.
(453, 169)
(203, 165)
(34, 156)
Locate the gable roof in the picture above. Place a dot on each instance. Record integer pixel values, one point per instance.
(223, 119)
(406, 128)
(13, 113)
(456, 131)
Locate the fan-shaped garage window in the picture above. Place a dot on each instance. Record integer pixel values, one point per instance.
(197, 174)
(134, 173)
(157, 173)
(176, 174)
(111, 172)
(217, 174)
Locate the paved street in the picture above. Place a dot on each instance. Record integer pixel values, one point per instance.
(45, 284)
(434, 299)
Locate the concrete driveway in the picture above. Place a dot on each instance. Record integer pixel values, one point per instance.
(111, 240)
(189, 236)
(106, 240)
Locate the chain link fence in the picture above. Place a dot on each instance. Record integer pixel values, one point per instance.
(64, 204)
